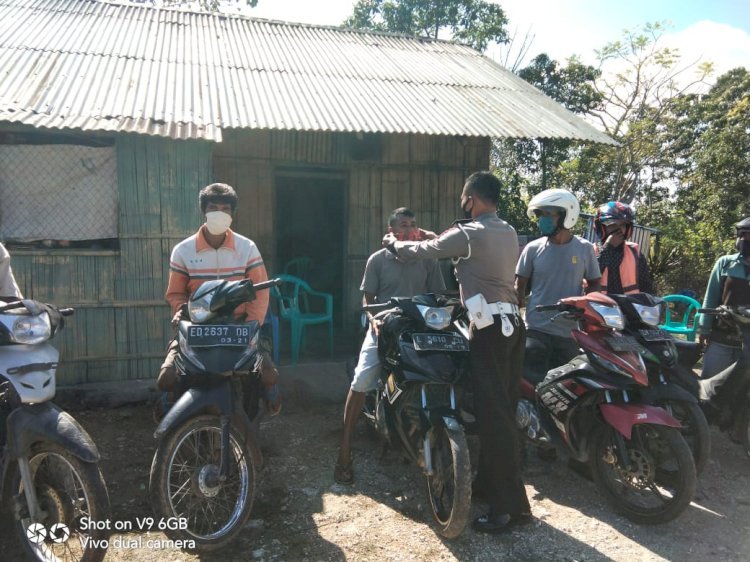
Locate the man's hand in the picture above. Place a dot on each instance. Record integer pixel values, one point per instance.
(704, 340)
(375, 325)
(389, 239)
(427, 234)
(615, 238)
(176, 319)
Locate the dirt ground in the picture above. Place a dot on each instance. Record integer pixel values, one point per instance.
(300, 514)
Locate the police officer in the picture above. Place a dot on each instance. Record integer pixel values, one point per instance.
(484, 251)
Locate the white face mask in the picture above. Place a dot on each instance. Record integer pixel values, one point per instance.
(217, 222)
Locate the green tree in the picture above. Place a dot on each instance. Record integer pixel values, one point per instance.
(640, 80)
(474, 22)
(528, 166)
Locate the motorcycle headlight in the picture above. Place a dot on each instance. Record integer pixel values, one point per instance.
(610, 314)
(436, 318)
(31, 329)
(649, 314)
(200, 308)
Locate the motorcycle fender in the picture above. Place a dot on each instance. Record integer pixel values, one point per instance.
(46, 422)
(661, 392)
(195, 401)
(624, 416)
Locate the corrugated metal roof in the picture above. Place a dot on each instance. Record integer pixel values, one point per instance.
(95, 65)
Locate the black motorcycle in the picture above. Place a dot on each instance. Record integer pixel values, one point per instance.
(672, 384)
(423, 348)
(50, 483)
(203, 474)
(725, 397)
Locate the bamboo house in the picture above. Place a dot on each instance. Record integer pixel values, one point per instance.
(113, 116)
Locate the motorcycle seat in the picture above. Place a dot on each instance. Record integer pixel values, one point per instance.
(688, 352)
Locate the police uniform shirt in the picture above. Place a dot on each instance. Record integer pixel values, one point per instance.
(484, 250)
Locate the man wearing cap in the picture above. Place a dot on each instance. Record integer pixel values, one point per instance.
(729, 285)
(385, 277)
(484, 250)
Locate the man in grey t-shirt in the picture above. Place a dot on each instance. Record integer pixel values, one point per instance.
(555, 266)
(385, 276)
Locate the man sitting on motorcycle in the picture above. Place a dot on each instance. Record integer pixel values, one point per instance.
(385, 277)
(556, 266)
(623, 266)
(728, 285)
(216, 252)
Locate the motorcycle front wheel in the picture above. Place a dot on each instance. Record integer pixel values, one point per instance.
(185, 486)
(70, 493)
(659, 482)
(449, 486)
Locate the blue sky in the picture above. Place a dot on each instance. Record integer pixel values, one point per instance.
(718, 30)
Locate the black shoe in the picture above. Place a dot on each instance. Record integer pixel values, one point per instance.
(503, 523)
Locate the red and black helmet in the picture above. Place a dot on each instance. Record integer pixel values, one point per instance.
(614, 211)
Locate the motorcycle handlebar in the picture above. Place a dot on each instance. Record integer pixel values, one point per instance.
(267, 284)
(67, 311)
(714, 311)
(546, 307)
(377, 306)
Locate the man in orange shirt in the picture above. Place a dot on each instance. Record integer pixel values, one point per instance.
(216, 252)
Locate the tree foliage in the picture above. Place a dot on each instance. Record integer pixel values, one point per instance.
(528, 166)
(684, 155)
(474, 22)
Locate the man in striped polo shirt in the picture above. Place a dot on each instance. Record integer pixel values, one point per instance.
(216, 252)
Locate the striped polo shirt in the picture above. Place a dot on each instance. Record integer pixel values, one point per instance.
(194, 261)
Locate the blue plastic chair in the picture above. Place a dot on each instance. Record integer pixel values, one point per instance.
(295, 299)
(681, 324)
(299, 267)
(273, 320)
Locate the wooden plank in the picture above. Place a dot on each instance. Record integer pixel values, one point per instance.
(359, 212)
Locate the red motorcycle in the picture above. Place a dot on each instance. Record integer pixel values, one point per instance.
(590, 410)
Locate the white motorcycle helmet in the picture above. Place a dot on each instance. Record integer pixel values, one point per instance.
(556, 199)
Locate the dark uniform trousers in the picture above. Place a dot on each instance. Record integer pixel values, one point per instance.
(496, 368)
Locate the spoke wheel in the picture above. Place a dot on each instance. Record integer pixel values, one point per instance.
(69, 491)
(449, 486)
(185, 485)
(659, 482)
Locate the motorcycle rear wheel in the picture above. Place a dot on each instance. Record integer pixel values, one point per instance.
(67, 490)
(449, 487)
(694, 430)
(182, 487)
(660, 483)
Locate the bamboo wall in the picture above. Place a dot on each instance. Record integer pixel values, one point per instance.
(121, 325)
(425, 173)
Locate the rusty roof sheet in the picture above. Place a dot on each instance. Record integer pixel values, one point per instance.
(94, 65)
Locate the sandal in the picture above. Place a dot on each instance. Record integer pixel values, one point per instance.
(344, 474)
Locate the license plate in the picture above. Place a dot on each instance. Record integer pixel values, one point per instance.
(217, 335)
(655, 335)
(625, 343)
(439, 342)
